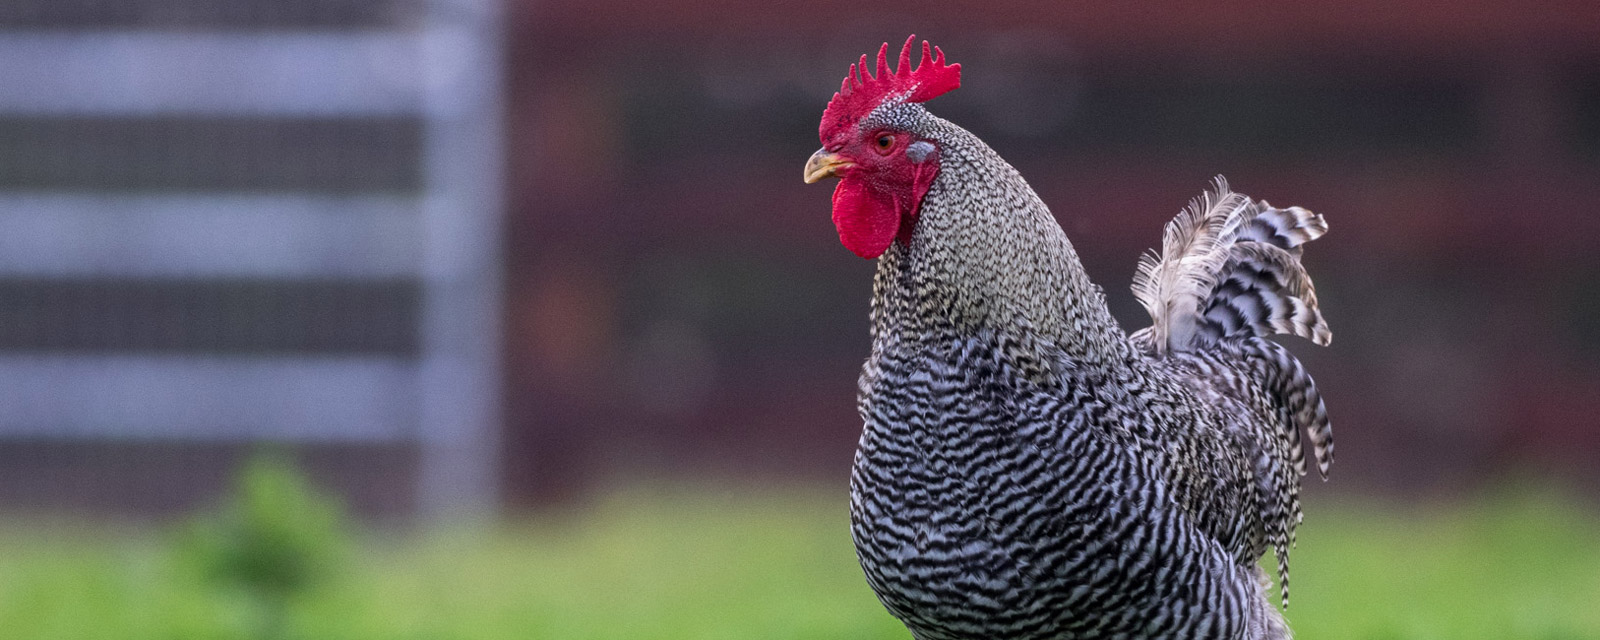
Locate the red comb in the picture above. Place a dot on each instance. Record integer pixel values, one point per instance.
(861, 92)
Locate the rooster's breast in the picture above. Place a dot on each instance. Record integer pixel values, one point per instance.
(986, 506)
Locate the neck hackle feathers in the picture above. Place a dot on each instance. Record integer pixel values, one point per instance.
(861, 91)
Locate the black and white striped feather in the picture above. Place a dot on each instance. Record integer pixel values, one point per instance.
(1260, 289)
(1195, 247)
(1230, 267)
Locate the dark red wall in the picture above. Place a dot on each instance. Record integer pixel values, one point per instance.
(680, 307)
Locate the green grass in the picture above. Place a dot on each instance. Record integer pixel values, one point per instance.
(705, 566)
(1518, 565)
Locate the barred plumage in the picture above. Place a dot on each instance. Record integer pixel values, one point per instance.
(1027, 470)
(1230, 267)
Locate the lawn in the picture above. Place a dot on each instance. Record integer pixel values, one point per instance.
(702, 565)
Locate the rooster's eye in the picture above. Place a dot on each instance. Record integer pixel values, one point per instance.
(885, 142)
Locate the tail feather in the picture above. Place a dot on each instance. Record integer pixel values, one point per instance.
(1230, 267)
(1173, 285)
(1228, 277)
(1263, 291)
(1269, 367)
(1284, 228)
(1296, 395)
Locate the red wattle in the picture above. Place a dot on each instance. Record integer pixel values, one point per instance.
(867, 221)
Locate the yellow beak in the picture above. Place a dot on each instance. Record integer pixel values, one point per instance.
(825, 165)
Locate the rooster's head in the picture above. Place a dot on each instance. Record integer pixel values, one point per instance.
(872, 145)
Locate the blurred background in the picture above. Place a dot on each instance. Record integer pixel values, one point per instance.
(519, 316)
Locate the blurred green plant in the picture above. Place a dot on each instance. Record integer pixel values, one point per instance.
(272, 545)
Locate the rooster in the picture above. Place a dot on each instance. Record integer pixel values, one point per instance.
(1028, 470)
